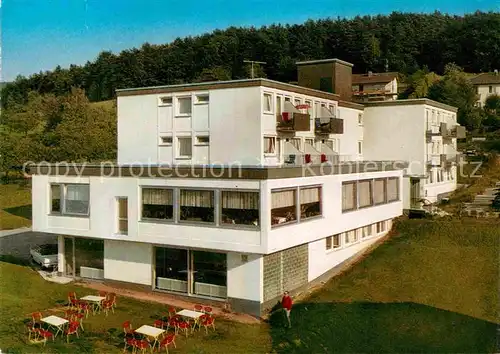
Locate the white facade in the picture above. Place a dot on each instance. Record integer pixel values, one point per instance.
(230, 124)
(410, 130)
(483, 91)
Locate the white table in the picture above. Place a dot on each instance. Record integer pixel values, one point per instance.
(56, 322)
(195, 315)
(152, 332)
(96, 300)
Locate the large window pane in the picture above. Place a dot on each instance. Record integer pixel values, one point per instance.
(55, 192)
(283, 208)
(392, 189)
(210, 273)
(379, 191)
(197, 205)
(365, 193)
(184, 105)
(310, 202)
(89, 258)
(157, 203)
(68, 257)
(348, 196)
(240, 208)
(77, 199)
(171, 269)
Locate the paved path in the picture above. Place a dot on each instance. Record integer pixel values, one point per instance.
(18, 242)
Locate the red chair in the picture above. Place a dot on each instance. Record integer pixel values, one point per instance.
(106, 306)
(45, 335)
(171, 311)
(127, 328)
(129, 342)
(208, 310)
(112, 298)
(32, 331)
(84, 307)
(72, 329)
(184, 326)
(36, 317)
(198, 308)
(208, 322)
(307, 158)
(103, 293)
(172, 323)
(323, 158)
(141, 345)
(169, 339)
(158, 324)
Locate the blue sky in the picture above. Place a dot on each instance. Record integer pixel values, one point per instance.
(40, 34)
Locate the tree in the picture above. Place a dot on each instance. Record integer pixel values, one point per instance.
(456, 90)
(218, 73)
(419, 84)
(492, 112)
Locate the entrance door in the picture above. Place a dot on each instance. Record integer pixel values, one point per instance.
(414, 192)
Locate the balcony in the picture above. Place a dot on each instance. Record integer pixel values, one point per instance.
(309, 159)
(434, 161)
(292, 122)
(449, 159)
(457, 132)
(329, 126)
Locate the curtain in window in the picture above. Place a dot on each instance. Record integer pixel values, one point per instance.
(310, 195)
(77, 192)
(336, 240)
(282, 199)
(392, 189)
(379, 191)
(240, 200)
(193, 198)
(269, 145)
(348, 196)
(365, 193)
(185, 147)
(296, 143)
(157, 196)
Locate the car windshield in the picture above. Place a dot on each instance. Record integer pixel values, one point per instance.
(48, 249)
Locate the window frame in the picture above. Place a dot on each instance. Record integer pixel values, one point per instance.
(297, 206)
(118, 218)
(202, 102)
(360, 147)
(332, 244)
(162, 143)
(320, 215)
(198, 143)
(270, 101)
(355, 196)
(398, 198)
(163, 104)
(156, 220)
(273, 138)
(191, 222)
(178, 106)
(62, 200)
(178, 155)
(239, 226)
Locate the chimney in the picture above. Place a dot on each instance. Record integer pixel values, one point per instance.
(330, 75)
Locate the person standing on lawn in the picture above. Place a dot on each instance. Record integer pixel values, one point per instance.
(286, 303)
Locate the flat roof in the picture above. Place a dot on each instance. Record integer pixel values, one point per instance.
(410, 102)
(324, 61)
(212, 171)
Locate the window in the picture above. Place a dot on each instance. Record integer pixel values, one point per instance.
(310, 107)
(379, 191)
(297, 102)
(365, 193)
(269, 145)
(240, 208)
(360, 147)
(202, 99)
(380, 226)
(166, 140)
(350, 236)
(202, 140)
(288, 99)
(296, 143)
(184, 106)
(122, 205)
(490, 89)
(331, 108)
(283, 206)
(366, 231)
(310, 142)
(157, 203)
(166, 100)
(310, 202)
(55, 204)
(267, 103)
(348, 196)
(278, 104)
(332, 242)
(392, 189)
(360, 119)
(185, 149)
(196, 205)
(74, 197)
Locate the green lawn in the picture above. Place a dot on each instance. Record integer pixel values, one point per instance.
(432, 287)
(15, 206)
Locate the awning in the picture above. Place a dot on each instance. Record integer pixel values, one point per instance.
(289, 107)
(309, 149)
(289, 149)
(325, 149)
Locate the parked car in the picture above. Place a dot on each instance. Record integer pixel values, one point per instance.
(45, 255)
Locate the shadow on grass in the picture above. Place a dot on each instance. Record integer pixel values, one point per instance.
(15, 260)
(23, 211)
(380, 327)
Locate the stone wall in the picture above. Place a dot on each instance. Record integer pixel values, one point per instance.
(285, 270)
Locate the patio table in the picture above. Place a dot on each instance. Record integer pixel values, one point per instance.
(152, 332)
(56, 322)
(195, 315)
(96, 300)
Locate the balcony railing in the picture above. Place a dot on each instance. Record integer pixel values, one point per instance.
(449, 159)
(293, 122)
(457, 131)
(329, 126)
(305, 159)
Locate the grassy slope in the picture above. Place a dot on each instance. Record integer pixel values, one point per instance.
(23, 291)
(433, 287)
(15, 206)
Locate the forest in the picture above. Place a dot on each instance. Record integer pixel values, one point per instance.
(55, 115)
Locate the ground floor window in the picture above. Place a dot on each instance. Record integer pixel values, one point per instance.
(84, 257)
(380, 226)
(333, 242)
(283, 206)
(191, 272)
(240, 208)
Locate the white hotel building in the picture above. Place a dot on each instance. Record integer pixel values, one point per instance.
(224, 191)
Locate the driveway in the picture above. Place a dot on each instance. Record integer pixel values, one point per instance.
(18, 242)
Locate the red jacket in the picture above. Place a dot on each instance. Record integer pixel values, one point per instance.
(286, 302)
